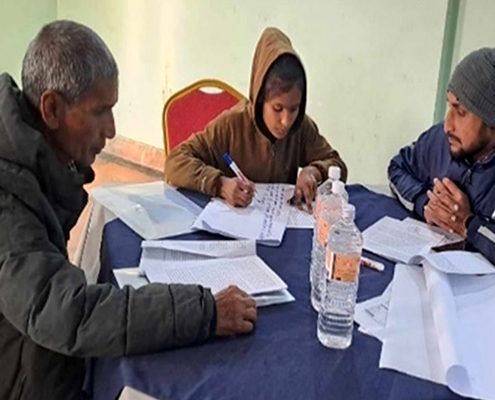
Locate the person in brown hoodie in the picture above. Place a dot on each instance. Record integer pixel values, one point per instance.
(268, 136)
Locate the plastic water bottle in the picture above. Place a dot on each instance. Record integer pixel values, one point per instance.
(344, 248)
(325, 189)
(323, 192)
(330, 213)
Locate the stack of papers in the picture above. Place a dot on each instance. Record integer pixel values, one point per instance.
(437, 322)
(213, 264)
(401, 241)
(250, 274)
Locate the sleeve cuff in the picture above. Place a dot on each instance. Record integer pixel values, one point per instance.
(213, 323)
(472, 228)
(321, 169)
(419, 205)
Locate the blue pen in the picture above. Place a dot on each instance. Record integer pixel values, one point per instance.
(233, 166)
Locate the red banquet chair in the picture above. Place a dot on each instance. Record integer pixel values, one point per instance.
(189, 110)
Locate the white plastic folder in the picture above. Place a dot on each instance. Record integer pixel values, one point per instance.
(153, 210)
(264, 220)
(440, 327)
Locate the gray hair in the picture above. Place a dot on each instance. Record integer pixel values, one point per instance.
(68, 58)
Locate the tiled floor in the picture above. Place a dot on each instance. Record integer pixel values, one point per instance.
(110, 170)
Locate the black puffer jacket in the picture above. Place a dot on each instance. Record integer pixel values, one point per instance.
(50, 319)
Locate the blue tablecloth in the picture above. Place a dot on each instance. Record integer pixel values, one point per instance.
(282, 359)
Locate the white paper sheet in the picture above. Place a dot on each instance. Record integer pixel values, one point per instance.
(264, 220)
(440, 327)
(409, 324)
(435, 232)
(153, 210)
(402, 240)
(300, 219)
(160, 251)
(372, 314)
(250, 274)
(130, 276)
(457, 262)
(272, 298)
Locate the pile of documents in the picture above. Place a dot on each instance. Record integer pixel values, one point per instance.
(437, 322)
(212, 264)
(156, 210)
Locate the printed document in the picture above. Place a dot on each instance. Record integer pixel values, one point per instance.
(162, 251)
(402, 240)
(249, 273)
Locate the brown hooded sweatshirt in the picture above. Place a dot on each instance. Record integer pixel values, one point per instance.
(198, 163)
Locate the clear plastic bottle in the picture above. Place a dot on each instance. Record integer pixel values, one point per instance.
(323, 192)
(339, 291)
(330, 213)
(325, 189)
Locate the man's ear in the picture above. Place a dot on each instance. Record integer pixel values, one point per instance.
(51, 109)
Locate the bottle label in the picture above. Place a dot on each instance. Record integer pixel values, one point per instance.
(317, 208)
(323, 230)
(343, 268)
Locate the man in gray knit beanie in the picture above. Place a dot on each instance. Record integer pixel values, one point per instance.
(473, 83)
(472, 92)
(447, 177)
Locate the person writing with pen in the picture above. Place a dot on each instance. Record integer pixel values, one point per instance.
(268, 137)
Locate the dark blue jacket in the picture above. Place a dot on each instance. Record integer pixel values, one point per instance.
(411, 175)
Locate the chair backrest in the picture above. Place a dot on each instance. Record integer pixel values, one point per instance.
(189, 110)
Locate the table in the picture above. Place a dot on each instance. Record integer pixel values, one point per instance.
(282, 359)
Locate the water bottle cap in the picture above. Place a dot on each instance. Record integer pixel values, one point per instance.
(348, 212)
(334, 173)
(338, 187)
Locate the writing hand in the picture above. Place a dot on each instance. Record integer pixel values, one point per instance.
(237, 192)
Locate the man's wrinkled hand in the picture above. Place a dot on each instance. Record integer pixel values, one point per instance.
(236, 312)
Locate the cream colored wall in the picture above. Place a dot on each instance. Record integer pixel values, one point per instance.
(372, 66)
(20, 20)
(140, 35)
(475, 28)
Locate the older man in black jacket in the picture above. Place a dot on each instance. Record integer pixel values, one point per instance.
(50, 318)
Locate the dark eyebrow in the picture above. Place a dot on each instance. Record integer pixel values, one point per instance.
(456, 104)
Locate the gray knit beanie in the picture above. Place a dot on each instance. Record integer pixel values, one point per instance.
(473, 83)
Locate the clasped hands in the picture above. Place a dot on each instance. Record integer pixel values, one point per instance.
(448, 207)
